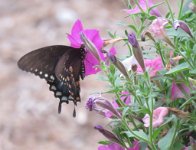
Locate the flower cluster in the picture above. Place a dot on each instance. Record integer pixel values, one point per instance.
(152, 91)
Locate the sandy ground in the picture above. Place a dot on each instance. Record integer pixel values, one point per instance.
(28, 110)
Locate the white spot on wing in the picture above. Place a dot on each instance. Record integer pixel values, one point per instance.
(53, 88)
(58, 93)
(46, 75)
(52, 77)
(64, 98)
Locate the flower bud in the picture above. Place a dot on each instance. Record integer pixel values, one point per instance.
(136, 50)
(90, 46)
(181, 24)
(108, 106)
(107, 134)
(118, 65)
(148, 34)
(132, 40)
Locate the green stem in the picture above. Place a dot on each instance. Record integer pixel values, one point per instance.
(151, 127)
(180, 11)
(168, 5)
(174, 136)
(160, 52)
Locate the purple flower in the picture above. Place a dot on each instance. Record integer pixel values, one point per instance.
(144, 5)
(178, 89)
(158, 117)
(90, 104)
(115, 146)
(102, 106)
(76, 41)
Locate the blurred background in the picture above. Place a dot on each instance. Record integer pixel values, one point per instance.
(28, 110)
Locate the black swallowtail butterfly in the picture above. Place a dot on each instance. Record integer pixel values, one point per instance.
(61, 66)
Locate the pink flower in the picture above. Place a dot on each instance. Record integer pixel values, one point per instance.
(177, 91)
(115, 146)
(152, 65)
(157, 28)
(93, 35)
(158, 117)
(144, 4)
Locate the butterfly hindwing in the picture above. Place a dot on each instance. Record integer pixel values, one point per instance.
(69, 72)
(60, 66)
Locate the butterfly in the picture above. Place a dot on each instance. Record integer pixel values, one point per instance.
(61, 66)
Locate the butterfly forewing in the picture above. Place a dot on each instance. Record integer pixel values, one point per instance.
(42, 61)
(60, 66)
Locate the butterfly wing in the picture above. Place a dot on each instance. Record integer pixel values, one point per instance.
(68, 70)
(44, 61)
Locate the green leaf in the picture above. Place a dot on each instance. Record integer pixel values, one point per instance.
(165, 142)
(178, 33)
(104, 142)
(124, 112)
(133, 28)
(138, 134)
(179, 68)
(193, 72)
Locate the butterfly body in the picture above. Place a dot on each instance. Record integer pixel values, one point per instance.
(61, 66)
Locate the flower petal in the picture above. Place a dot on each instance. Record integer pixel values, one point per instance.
(76, 43)
(76, 29)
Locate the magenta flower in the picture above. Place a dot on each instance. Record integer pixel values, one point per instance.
(93, 35)
(157, 28)
(158, 117)
(115, 146)
(177, 91)
(144, 4)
